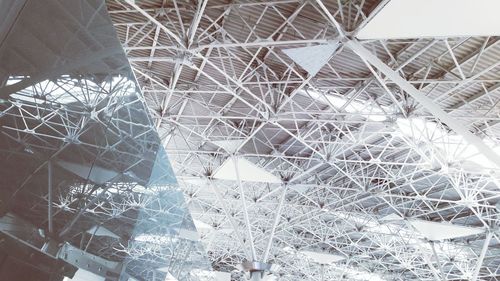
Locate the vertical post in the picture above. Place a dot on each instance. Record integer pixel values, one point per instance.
(245, 209)
(483, 254)
(437, 261)
(50, 195)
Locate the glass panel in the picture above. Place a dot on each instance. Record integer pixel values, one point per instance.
(83, 171)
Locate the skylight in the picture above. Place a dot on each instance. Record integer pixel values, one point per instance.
(393, 231)
(365, 109)
(445, 147)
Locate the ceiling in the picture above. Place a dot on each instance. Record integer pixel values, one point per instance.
(384, 150)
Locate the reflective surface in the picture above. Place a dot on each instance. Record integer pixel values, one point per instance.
(82, 166)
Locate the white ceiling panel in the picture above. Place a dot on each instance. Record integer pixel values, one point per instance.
(434, 18)
(312, 58)
(102, 231)
(436, 231)
(247, 172)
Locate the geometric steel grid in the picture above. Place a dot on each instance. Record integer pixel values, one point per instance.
(386, 134)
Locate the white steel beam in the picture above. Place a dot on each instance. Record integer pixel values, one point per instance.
(275, 223)
(486, 244)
